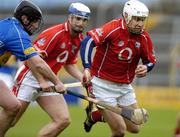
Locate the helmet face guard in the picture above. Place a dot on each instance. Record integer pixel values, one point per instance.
(33, 31)
(33, 14)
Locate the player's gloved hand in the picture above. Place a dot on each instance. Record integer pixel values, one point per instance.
(86, 79)
(141, 71)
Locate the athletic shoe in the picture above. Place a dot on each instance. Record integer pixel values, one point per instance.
(88, 123)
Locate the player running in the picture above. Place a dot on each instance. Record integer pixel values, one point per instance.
(15, 35)
(120, 45)
(59, 46)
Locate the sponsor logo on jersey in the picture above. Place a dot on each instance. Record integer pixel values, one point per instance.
(1, 44)
(125, 54)
(41, 41)
(99, 31)
(29, 51)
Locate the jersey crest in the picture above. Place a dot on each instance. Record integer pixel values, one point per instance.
(121, 43)
(137, 45)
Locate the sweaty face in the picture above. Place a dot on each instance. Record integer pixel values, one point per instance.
(78, 23)
(136, 25)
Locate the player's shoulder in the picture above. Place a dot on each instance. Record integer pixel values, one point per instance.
(145, 34)
(114, 26)
(116, 23)
(14, 29)
(55, 29)
(10, 25)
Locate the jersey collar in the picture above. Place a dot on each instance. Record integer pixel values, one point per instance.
(66, 26)
(123, 24)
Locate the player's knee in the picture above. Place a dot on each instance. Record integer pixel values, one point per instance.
(14, 108)
(134, 129)
(63, 122)
(120, 131)
(66, 122)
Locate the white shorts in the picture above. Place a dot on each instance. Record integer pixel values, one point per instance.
(113, 93)
(26, 88)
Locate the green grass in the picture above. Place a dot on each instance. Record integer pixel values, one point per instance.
(161, 123)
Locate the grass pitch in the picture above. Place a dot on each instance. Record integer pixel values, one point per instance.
(161, 123)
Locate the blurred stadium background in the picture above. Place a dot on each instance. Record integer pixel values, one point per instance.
(159, 92)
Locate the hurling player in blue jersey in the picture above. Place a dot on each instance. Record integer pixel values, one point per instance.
(15, 35)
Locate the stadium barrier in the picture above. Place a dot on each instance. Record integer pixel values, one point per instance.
(158, 97)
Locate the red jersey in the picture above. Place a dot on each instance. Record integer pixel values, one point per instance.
(60, 48)
(118, 52)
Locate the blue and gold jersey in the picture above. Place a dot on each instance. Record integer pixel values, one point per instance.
(14, 40)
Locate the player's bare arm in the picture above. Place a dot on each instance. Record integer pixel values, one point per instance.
(39, 67)
(42, 81)
(73, 70)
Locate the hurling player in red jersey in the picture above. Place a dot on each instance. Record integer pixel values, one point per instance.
(58, 46)
(120, 45)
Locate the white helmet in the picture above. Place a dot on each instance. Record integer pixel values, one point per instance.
(79, 9)
(134, 8)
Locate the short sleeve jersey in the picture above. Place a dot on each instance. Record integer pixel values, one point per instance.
(14, 40)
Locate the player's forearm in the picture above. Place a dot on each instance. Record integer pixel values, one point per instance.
(37, 75)
(73, 70)
(41, 70)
